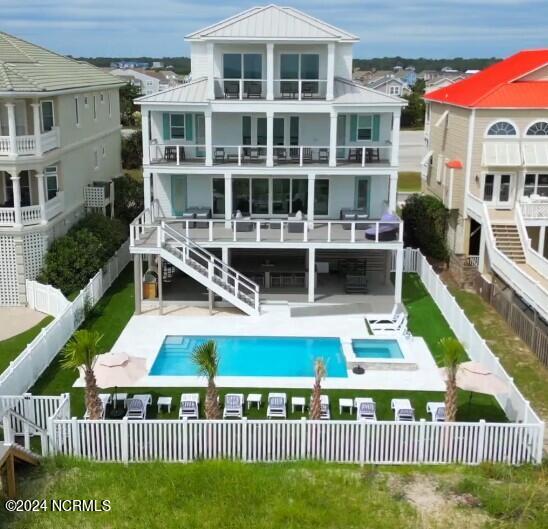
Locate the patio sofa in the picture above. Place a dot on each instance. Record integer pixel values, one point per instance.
(388, 231)
(241, 225)
(197, 213)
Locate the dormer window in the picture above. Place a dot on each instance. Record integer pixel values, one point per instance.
(502, 128)
(540, 128)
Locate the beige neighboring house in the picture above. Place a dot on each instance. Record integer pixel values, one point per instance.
(487, 159)
(59, 151)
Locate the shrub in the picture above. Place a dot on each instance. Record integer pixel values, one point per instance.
(72, 260)
(128, 201)
(132, 151)
(425, 225)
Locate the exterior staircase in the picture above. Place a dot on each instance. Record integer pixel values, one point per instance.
(210, 271)
(508, 241)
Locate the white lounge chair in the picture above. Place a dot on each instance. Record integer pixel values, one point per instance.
(277, 406)
(234, 406)
(397, 325)
(403, 411)
(325, 412)
(366, 409)
(436, 410)
(136, 409)
(145, 398)
(189, 406)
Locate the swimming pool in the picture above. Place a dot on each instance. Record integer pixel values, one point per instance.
(253, 356)
(373, 348)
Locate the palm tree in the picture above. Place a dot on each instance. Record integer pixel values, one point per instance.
(80, 352)
(206, 358)
(315, 404)
(452, 355)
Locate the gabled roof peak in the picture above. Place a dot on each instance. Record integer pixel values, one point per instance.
(272, 22)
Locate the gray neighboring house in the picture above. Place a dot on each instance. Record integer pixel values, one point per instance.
(391, 85)
(59, 151)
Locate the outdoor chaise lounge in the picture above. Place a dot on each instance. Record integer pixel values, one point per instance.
(325, 412)
(136, 409)
(396, 323)
(365, 409)
(277, 406)
(189, 406)
(388, 228)
(234, 406)
(436, 410)
(295, 223)
(403, 411)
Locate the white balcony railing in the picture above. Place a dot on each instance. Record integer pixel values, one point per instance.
(300, 89)
(31, 214)
(533, 210)
(161, 153)
(240, 88)
(27, 145)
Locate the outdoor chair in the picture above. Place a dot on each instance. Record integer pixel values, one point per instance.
(281, 155)
(253, 154)
(355, 155)
(136, 409)
(372, 155)
(325, 412)
(403, 411)
(307, 155)
(232, 90)
(253, 89)
(396, 324)
(170, 153)
(289, 89)
(219, 155)
(277, 406)
(388, 228)
(234, 406)
(366, 409)
(323, 155)
(309, 89)
(189, 406)
(436, 410)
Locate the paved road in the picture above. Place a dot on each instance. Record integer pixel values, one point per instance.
(412, 149)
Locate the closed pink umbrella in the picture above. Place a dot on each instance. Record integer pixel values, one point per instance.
(475, 377)
(118, 369)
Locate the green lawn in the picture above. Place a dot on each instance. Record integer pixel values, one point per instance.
(409, 181)
(230, 495)
(12, 347)
(116, 308)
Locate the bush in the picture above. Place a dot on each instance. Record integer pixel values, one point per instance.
(132, 151)
(425, 225)
(128, 201)
(72, 260)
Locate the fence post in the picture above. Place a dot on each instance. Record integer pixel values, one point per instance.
(51, 436)
(8, 433)
(75, 433)
(481, 441)
(244, 439)
(540, 444)
(363, 427)
(303, 438)
(28, 408)
(124, 439)
(185, 439)
(422, 431)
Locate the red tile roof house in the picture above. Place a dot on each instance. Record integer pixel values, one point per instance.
(487, 159)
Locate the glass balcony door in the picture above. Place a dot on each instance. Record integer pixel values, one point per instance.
(497, 190)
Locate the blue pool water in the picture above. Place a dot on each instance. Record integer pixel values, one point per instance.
(253, 356)
(373, 348)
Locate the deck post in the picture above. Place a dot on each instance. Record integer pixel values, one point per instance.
(399, 274)
(146, 191)
(311, 275)
(160, 286)
(311, 189)
(138, 280)
(333, 120)
(393, 191)
(269, 71)
(211, 301)
(208, 138)
(269, 139)
(395, 139)
(228, 200)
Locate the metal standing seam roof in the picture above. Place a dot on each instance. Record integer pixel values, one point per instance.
(193, 92)
(346, 91)
(26, 67)
(272, 22)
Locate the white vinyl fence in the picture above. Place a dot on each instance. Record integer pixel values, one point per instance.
(23, 372)
(514, 404)
(286, 440)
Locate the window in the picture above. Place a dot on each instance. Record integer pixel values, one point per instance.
(218, 196)
(540, 128)
(365, 128)
(394, 90)
(177, 126)
(94, 107)
(299, 195)
(502, 128)
(232, 66)
(295, 66)
(259, 196)
(253, 68)
(310, 66)
(289, 66)
(47, 115)
(321, 197)
(536, 184)
(246, 130)
(77, 111)
(280, 196)
(51, 181)
(362, 194)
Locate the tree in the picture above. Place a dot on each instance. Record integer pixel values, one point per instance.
(412, 116)
(206, 358)
(452, 355)
(320, 373)
(128, 93)
(129, 201)
(132, 151)
(80, 352)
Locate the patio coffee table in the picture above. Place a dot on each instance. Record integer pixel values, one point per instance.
(346, 403)
(254, 398)
(164, 401)
(298, 402)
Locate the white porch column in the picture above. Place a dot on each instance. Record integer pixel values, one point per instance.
(330, 70)
(145, 128)
(270, 139)
(37, 128)
(481, 258)
(393, 192)
(211, 71)
(16, 183)
(208, 138)
(147, 199)
(228, 199)
(399, 276)
(12, 130)
(160, 286)
(42, 197)
(333, 139)
(270, 71)
(395, 139)
(138, 281)
(311, 275)
(311, 199)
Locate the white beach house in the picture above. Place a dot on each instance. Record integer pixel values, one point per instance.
(271, 175)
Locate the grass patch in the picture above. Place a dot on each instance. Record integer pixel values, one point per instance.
(11, 348)
(136, 174)
(409, 181)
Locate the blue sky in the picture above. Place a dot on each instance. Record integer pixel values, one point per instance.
(412, 28)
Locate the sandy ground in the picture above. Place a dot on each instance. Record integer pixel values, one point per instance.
(15, 320)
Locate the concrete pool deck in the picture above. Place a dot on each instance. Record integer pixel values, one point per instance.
(144, 334)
